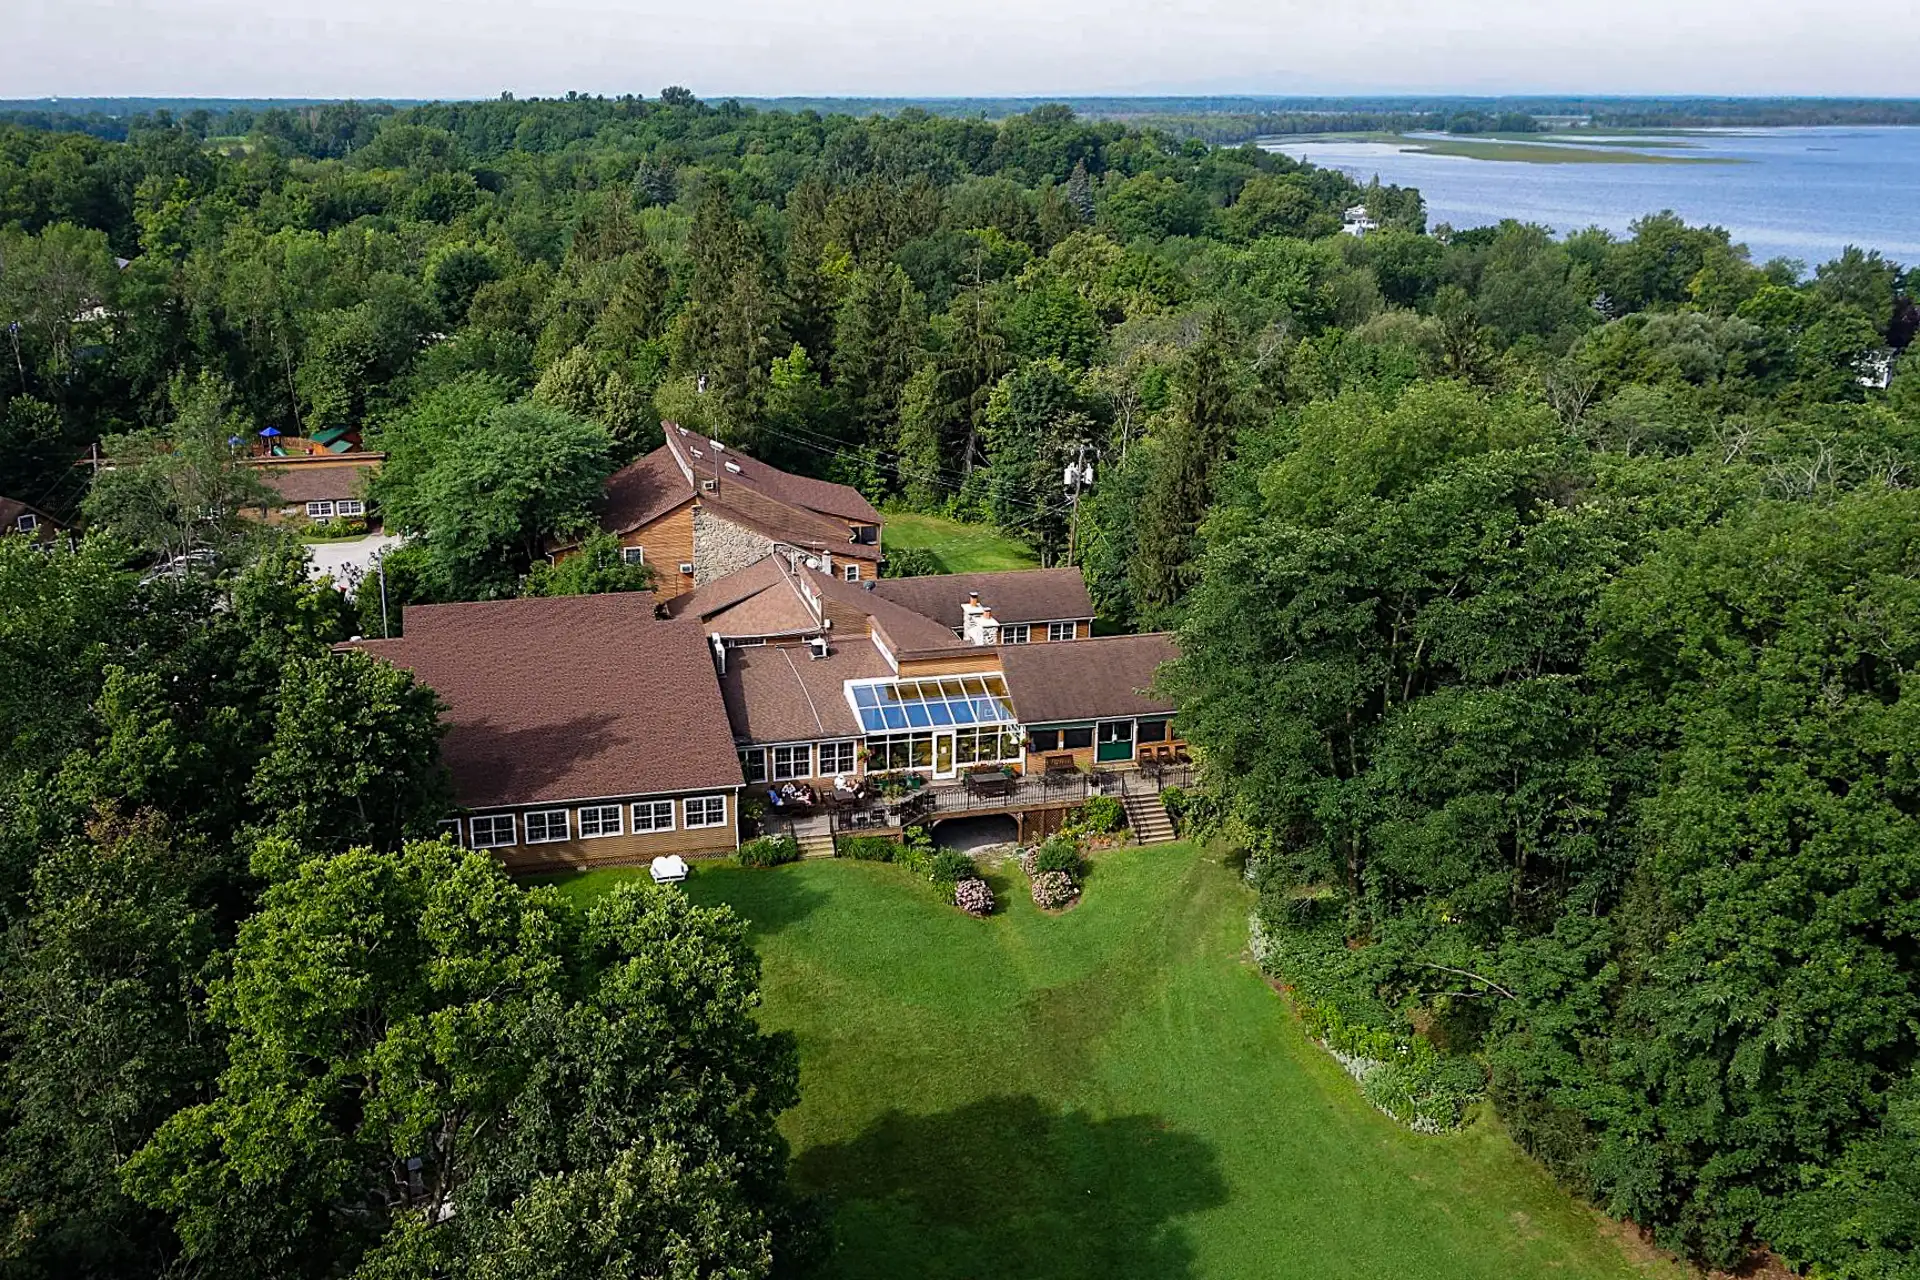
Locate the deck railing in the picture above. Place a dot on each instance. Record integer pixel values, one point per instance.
(1037, 791)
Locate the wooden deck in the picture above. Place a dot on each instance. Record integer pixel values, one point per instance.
(1038, 804)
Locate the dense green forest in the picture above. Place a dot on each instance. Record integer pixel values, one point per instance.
(1547, 609)
(1213, 118)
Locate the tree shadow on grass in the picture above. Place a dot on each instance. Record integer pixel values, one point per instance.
(1010, 1187)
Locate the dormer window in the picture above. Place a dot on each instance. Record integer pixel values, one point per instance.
(27, 523)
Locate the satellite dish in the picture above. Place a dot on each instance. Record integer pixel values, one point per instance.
(813, 562)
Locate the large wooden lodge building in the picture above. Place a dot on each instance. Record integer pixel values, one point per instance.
(612, 729)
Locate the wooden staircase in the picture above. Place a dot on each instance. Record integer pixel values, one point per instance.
(1148, 818)
(815, 835)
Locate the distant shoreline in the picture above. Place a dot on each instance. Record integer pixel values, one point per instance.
(1561, 148)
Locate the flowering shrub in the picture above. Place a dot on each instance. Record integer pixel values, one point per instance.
(769, 851)
(1336, 991)
(973, 897)
(1053, 890)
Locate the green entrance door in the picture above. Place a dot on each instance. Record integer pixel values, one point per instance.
(1113, 741)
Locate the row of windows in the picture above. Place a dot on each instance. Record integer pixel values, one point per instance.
(1022, 632)
(784, 764)
(548, 826)
(638, 555)
(887, 752)
(986, 746)
(1080, 737)
(328, 510)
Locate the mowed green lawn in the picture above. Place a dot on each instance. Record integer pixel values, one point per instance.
(959, 548)
(1109, 1094)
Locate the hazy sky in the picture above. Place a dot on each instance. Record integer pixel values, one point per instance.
(477, 48)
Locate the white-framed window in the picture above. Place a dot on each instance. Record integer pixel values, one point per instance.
(600, 820)
(319, 511)
(1015, 633)
(1058, 631)
(451, 827)
(987, 746)
(27, 523)
(705, 811)
(349, 507)
(753, 764)
(686, 568)
(851, 573)
(547, 826)
(652, 815)
(633, 555)
(837, 758)
(490, 831)
(792, 762)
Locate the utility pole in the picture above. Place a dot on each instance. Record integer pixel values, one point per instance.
(1079, 474)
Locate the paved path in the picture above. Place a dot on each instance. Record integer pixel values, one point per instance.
(348, 562)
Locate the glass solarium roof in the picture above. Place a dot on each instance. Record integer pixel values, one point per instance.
(925, 704)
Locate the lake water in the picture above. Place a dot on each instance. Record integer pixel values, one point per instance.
(1800, 193)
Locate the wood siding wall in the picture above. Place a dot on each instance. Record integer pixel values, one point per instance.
(987, 663)
(617, 851)
(668, 541)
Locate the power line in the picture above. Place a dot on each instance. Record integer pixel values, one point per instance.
(828, 445)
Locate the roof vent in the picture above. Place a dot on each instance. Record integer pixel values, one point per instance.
(817, 647)
(717, 446)
(710, 485)
(696, 453)
(734, 467)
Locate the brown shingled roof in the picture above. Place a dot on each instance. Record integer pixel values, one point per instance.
(574, 698)
(783, 523)
(328, 478)
(1086, 679)
(643, 491)
(11, 509)
(823, 496)
(908, 633)
(721, 594)
(781, 693)
(1018, 595)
